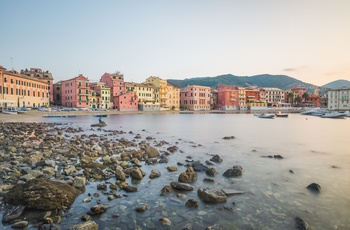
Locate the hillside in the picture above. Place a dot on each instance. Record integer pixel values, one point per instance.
(264, 80)
(337, 84)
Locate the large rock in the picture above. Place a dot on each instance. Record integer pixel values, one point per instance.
(181, 186)
(88, 225)
(314, 187)
(189, 176)
(234, 171)
(211, 196)
(151, 152)
(198, 166)
(42, 194)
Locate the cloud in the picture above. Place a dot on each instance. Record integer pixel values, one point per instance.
(293, 69)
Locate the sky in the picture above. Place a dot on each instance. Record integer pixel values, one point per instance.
(305, 39)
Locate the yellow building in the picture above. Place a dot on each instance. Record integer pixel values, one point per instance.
(19, 90)
(147, 94)
(103, 95)
(168, 96)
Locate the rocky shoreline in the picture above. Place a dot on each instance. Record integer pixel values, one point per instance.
(44, 167)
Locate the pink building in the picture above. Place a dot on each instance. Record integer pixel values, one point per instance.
(75, 92)
(195, 97)
(122, 100)
(227, 97)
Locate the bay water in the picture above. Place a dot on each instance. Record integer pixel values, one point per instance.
(314, 150)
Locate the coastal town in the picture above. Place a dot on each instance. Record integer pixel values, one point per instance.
(35, 88)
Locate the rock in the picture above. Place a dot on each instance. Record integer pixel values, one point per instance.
(120, 175)
(49, 227)
(97, 209)
(20, 225)
(291, 171)
(198, 167)
(172, 168)
(166, 190)
(234, 171)
(210, 180)
(130, 188)
(314, 187)
(136, 173)
(154, 174)
(209, 162)
(69, 170)
(229, 137)
(85, 217)
(151, 152)
(165, 221)
(301, 224)
(229, 191)
(79, 183)
(141, 208)
(211, 196)
(216, 159)
(191, 203)
(42, 194)
(12, 213)
(172, 149)
(88, 225)
(189, 176)
(277, 157)
(181, 186)
(211, 171)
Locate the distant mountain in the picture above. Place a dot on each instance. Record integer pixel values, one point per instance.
(337, 84)
(263, 80)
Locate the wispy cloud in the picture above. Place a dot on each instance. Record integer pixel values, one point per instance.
(293, 69)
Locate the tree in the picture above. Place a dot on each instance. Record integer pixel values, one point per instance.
(305, 96)
(290, 97)
(297, 99)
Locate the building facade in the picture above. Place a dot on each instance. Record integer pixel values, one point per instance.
(103, 95)
(19, 90)
(274, 97)
(339, 99)
(195, 97)
(228, 98)
(75, 92)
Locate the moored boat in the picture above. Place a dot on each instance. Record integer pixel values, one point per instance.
(100, 115)
(279, 114)
(267, 115)
(334, 115)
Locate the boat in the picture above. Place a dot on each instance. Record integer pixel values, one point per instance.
(99, 125)
(279, 114)
(10, 110)
(315, 112)
(100, 115)
(334, 115)
(267, 115)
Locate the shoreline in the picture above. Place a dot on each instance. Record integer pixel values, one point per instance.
(37, 113)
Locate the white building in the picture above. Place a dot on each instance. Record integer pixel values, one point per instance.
(339, 99)
(274, 97)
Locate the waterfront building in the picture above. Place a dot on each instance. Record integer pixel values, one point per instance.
(123, 99)
(147, 95)
(253, 99)
(242, 98)
(195, 97)
(75, 92)
(57, 93)
(274, 97)
(103, 95)
(168, 95)
(227, 97)
(339, 99)
(19, 90)
(213, 99)
(42, 75)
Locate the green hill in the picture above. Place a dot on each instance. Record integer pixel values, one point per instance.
(337, 84)
(263, 80)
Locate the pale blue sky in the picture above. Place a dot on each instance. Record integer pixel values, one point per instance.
(305, 39)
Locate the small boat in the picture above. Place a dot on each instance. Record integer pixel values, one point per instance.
(279, 114)
(334, 115)
(10, 110)
(267, 115)
(99, 125)
(100, 115)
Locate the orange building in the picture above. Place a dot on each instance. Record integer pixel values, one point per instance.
(18, 90)
(75, 92)
(228, 98)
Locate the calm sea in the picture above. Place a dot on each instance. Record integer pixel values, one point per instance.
(316, 149)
